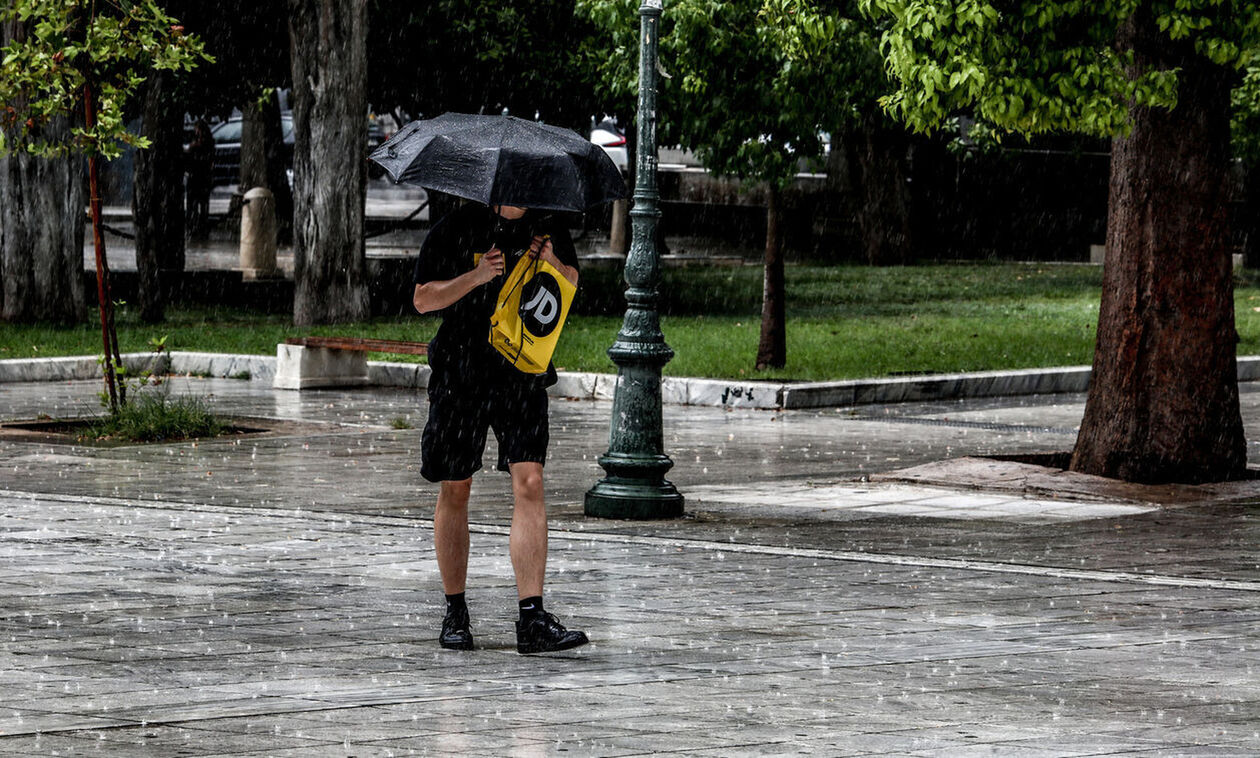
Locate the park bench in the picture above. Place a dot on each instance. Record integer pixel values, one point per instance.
(303, 362)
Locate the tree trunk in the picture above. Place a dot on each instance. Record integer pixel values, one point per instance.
(1250, 215)
(263, 162)
(1163, 400)
(253, 168)
(328, 54)
(878, 172)
(41, 239)
(41, 231)
(157, 200)
(772, 350)
(111, 359)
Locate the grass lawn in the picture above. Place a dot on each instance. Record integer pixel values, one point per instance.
(843, 322)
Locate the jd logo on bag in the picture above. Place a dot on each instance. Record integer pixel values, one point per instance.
(529, 314)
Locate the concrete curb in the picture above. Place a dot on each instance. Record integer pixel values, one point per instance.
(590, 386)
(74, 367)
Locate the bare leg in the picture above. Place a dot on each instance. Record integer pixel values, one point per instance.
(528, 540)
(450, 534)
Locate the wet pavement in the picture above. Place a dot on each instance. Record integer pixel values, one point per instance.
(275, 594)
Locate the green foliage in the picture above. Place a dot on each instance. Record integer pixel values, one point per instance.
(66, 45)
(152, 417)
(476, 57)
(1032, 66)
(848, 321)
(1246, 121)
(747, 84)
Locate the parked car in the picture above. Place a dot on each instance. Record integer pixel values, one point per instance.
(227, 148)
(609, 136)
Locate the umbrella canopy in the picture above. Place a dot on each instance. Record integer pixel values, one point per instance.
(502, 160)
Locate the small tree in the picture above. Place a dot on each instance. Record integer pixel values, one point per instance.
(75, 60)
(751, 86)
(248, 71)
(1156, 76)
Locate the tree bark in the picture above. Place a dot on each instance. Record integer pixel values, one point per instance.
(328, 54)
(772, 349)
(41, 231)
(41, 239)
(157, 200)
(878, 175)
(263, 161)
(1163, 399)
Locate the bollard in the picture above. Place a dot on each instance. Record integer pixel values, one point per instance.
(258, 235)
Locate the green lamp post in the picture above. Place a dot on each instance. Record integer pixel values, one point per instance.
(635, 486)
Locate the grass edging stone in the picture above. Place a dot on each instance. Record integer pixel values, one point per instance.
(594, 386)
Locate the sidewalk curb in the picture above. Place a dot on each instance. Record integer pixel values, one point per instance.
(592, 386)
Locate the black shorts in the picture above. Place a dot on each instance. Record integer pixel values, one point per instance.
(459, 414)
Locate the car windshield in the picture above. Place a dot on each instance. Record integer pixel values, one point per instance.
(230, 131)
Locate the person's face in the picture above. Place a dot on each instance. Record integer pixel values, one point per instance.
(511, 212)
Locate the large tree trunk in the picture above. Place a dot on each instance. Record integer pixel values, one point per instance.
(157, 200)
(772, 349)
(41, 230)
(1163, 400)
(328, 54)
(41, 239)
(878, 175)
(263, 162)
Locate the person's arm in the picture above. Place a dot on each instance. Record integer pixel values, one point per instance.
(439, 294)
(542, 247)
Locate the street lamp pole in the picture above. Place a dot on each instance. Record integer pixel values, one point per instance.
(635, 486)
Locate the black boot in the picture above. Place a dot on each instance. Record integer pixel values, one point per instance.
(543, 633)
(456, 634)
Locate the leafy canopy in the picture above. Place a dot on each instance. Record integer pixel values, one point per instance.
(1033, 66)
(64, 45)
(477, 57)
(1246, 116)
(748, 84)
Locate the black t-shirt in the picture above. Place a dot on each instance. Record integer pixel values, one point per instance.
(462, 348)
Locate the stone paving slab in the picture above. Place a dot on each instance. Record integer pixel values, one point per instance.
(827, 668)
(276, 595)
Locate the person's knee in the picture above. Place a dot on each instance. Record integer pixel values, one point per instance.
(455, 494)
(528, 482)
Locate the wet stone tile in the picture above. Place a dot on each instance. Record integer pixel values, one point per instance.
(222, 595)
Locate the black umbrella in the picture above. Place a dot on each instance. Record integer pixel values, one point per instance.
(502, 160)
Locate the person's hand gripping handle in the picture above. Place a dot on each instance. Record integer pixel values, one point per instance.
(490, 265)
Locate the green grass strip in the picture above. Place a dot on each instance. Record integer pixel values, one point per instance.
(843, 322)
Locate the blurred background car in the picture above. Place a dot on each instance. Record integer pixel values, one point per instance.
(609, 136)
(227, 148)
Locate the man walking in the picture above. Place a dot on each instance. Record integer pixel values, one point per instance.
(472, 388)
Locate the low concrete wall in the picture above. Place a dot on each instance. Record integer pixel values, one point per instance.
(588, 386)
(73, 367)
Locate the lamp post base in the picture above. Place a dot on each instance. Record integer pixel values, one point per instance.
(621, 498)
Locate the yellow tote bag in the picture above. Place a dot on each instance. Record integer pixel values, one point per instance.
(529, 314)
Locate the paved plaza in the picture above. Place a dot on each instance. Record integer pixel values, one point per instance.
(275, 594)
